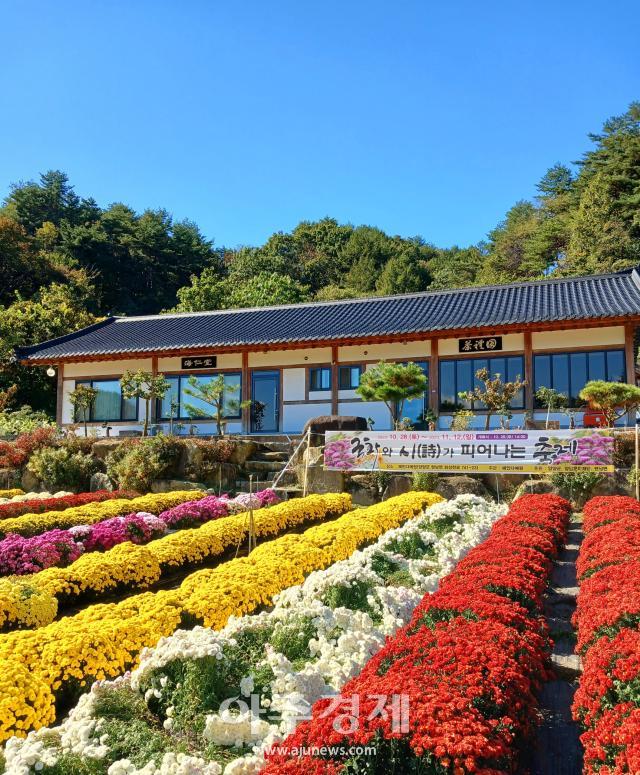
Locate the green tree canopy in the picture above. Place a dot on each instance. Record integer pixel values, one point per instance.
(613, 399)
(393, 384)
(52, 311)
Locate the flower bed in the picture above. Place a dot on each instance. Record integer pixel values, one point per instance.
(105, 640)
(87, 514)
(467, 663)
(325, 628)
(20, 555)
(57, 503)
(127, 566)
(12, 493)
(607, 702)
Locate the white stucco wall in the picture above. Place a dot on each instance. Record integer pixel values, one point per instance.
(105, 368)
(277, 358)
(378, 352)
(572, 339)
(293, 384)
(294, 416)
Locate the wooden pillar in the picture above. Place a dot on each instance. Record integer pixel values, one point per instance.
(334, 380)
(246, 393)
(60, 394)
(528, 371)
(434, 373)
(629, 352)
(154, 402)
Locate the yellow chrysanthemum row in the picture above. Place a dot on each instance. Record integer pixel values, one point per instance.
(105, 640)
(11, 493)
(33, 524)
(135, 567)
(240, 586)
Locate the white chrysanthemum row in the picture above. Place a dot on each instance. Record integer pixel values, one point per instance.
(35, 496)
(344, 641)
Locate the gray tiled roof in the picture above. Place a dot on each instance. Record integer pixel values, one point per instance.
(490, 307)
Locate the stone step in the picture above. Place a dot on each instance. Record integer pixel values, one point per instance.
(281, 457)
(562, 594)
(567, 666)
(260, 466)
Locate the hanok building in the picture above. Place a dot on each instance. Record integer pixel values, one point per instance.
(298, 361)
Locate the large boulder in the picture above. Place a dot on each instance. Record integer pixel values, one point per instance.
(534, 487)
(29, 482)
(332, 422)
(243, 450)
(100, 481)
(399, 485)
(320, 481)
(452, 486)
(363, 488)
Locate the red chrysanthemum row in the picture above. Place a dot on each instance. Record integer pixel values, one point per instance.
(467, 665)
(606, 509)
(37, 506)
(607, 702)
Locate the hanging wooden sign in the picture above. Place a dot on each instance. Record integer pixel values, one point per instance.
(480, 344)
(199, 362)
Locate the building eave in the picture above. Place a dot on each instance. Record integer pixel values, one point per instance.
(426, 335)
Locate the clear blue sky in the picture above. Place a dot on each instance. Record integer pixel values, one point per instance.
(427, 118)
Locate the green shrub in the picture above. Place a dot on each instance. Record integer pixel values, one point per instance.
(383, 565)
(206, 457)
(624, 449)
(424, 482)
(410, 545)
(82, 444)
(23, 420)
(354, 596)
(136, 463)
(576, 486)
(60, 468)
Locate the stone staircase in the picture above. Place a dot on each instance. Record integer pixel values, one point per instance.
(267, 462)
(558, 750)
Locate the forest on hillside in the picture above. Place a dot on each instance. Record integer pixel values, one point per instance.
(65, 261)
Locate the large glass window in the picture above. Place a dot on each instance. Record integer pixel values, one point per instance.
(109, 405)
(349, 377)
(416, 409)
(177, 398)
(320, 378)
(459, 375)
(568, 373)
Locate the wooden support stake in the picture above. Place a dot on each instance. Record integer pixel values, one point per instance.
(252, 539)
(306, 464)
